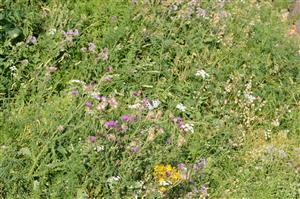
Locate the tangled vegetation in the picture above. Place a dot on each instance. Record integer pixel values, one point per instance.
(148, 99)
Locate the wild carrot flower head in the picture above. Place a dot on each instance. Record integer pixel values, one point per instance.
(202, 73)
(181, 107)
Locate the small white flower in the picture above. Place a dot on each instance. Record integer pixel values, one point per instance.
(52, 31)
(134, 106)
(165, 183)
(13, 68)
(76, 81)
(181, 107)
(276, 123)
(201, 73)
(155, 103)
(94, 94)
(98, 149)
(114, 179)
(250, 98)
(188, 127)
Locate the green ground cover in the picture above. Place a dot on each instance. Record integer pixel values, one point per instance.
(148, 99)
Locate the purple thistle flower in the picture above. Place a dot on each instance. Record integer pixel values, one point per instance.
(168, 173)
(88, 105)
(93, 138)
(74, 92)
(98, 97)
(181, 167)
(110, 124)
(179, 122)
(125, 118)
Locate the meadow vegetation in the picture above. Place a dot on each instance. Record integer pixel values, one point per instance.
(148, 99)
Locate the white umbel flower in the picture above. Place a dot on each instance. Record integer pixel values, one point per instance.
(181, 107)
(250, 98)
(201, 73)
(76, 81)
(155, 103)
(188, 127)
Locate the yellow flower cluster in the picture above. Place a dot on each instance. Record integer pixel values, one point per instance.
(165, 175)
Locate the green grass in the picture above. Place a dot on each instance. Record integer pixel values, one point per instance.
(245, 113)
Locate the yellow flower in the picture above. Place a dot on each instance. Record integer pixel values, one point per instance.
(162, 189)
(165, 175)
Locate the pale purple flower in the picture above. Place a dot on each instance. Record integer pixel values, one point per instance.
(102, 106)
(103, 55)
(146, 102)
(169, 141)
(31, 40)
(106, 78)
(199, 164)
(61, 128)
(92, 138)
(83, 49)
(109, 69)
(88, 105)
(282, 154)
(201, 13)
(183, 171)
(181, 167)
(168, 173)
(98, 97)
(91, 47)
(72, 32)
(269, 149)
(189, 195)
(179, 122)
(137, 93)
(74, 92)
(135, 149)
(110, 124)
(125, 118)
(113, 102)
(203, 191)
(123, 128)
